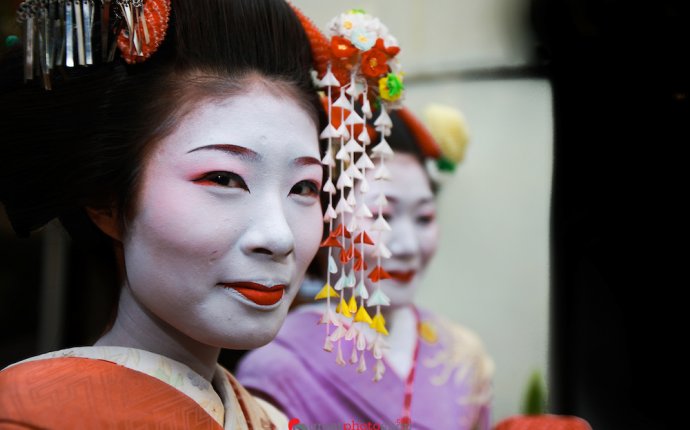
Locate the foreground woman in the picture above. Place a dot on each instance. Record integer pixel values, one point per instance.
(194, 154)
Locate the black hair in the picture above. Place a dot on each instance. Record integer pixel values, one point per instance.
(402, 139)
(83, 143)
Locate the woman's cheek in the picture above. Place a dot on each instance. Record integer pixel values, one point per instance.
(307, 235)
(160, 203)
(377, 236)
(201, 227)
(429, 242)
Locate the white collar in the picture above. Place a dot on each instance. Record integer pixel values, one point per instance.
(173, 373)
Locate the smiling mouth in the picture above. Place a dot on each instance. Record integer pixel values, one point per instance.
(258, 293)
(401, 276)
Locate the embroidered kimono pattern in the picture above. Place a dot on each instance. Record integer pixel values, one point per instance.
(123, 388)
(451, 388)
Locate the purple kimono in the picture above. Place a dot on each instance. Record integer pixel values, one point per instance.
(451, 390)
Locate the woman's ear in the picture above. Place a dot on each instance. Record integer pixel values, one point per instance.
(107, 219)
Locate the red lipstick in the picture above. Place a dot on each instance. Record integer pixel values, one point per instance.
(404, 277)
(257, 293)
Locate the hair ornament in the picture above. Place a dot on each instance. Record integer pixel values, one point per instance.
(146, 25)
(442, 138)
(60, 33)
(447, 130)
(358, 69)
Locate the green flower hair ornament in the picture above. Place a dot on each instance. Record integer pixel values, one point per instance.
(445, 165)
(391, 87)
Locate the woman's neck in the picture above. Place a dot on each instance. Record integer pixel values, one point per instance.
(136, 327)
(398, 315)
(402, 338)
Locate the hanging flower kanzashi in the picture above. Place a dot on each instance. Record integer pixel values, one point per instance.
(358, 69)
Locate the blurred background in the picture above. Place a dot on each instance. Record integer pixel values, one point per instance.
(558, 214)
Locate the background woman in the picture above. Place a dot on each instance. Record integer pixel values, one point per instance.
(440, 376)
(194, 155)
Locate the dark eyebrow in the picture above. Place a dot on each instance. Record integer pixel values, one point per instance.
(306, 161)
(241, 151)
(421, 202)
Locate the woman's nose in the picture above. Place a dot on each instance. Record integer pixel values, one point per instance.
(403, 242)
(269, 233)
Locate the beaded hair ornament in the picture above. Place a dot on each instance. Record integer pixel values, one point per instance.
(357, 66)
(62, 33)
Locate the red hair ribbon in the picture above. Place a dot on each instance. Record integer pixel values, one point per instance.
(421, 134)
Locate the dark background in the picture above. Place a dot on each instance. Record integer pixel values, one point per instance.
(622, 117)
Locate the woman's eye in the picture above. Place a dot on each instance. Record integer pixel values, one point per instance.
(426, 219)
(223, 179)
(305, 188)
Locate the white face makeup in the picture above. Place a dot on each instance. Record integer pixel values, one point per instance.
(228, 219)
(411, 214)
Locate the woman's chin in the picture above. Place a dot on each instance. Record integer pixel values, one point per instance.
(256, 337)
(400, 294)
(249, 341)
